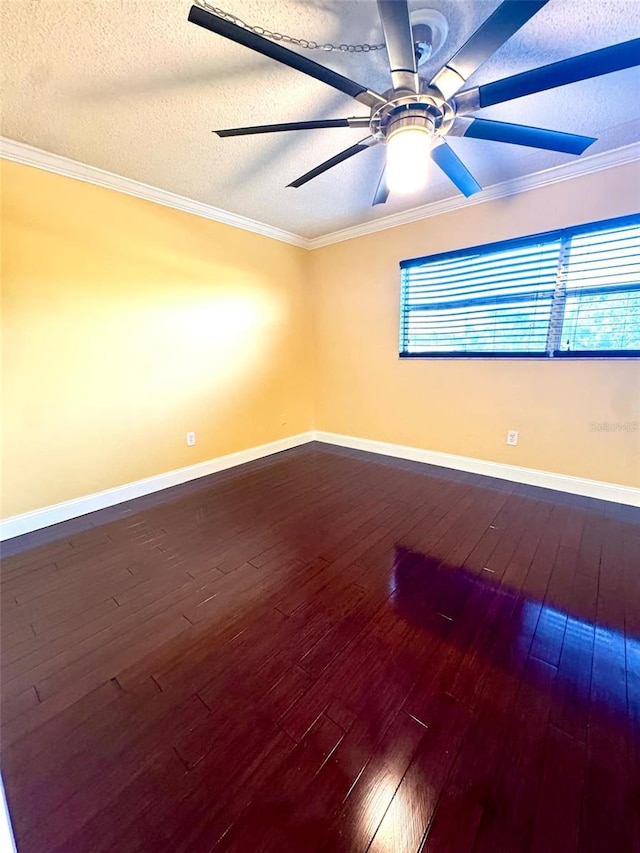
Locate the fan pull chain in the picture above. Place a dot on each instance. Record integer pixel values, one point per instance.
(304, 43)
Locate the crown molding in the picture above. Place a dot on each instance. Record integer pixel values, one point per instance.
(554, 175)
(20, 152)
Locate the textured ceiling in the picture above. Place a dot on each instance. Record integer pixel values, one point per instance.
(131, 87)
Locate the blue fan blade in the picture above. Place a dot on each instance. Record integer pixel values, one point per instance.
(334, 161)
(274, 50)
(494, 32)
(534, 137)
(277, 128)
(584, 67)
(455, 170)
(398, 37)
(382, 193)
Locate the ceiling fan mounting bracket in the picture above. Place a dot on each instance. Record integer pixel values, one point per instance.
(430, 29)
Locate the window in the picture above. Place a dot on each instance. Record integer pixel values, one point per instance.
(569, 293)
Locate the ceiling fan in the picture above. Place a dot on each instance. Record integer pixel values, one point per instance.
(414, 118)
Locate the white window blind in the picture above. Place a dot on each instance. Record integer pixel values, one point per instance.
(572, 292)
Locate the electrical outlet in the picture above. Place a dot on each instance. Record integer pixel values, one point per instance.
(191, 439)
(512, 437)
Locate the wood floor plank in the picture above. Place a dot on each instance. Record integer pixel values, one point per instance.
(558, 813)
(356, 821)
(411, 810)
(606, 795)
(260, 827)
(326, 650)
(509, 813)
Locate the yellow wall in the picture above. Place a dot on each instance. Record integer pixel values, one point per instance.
(465, 407)
(127, 324)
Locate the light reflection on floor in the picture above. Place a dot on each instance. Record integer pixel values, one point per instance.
(422, 588)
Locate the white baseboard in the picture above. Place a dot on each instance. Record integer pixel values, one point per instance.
(29, 521)
(39, 518)
(530, 476)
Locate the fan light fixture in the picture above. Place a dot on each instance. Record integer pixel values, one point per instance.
(409, 136)
(408, 158)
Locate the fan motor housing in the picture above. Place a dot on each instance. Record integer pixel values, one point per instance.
(410, 115)
(426, 110)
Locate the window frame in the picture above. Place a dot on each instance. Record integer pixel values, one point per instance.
(559, 234)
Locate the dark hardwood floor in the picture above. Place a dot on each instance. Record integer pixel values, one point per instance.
(326, 650)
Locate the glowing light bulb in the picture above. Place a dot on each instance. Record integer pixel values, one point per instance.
(408, 158)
